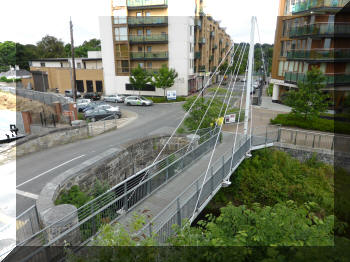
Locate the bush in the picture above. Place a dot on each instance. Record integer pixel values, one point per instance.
(269, 90)
(4, 79)
(319, 124)
(160, 100)
(81, 116)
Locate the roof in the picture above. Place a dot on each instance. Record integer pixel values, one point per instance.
(50, 59)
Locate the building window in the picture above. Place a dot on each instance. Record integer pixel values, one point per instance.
(78, 65)
(280, 68)
(139, 32)
(89, 86)
(139, 48)
(149, 64)
(148, 13)
(142, 65)
(138, 14)
(121, 33)
(61, 64)
(99, 86)
(125, 66)
(122, 50)
(149, 48)
(148, 32)
(42, 64)
(80, 86)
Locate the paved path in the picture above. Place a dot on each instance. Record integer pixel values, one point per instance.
(166, 194)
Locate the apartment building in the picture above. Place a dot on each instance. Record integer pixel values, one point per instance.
(312, 33)
(56, 73)
(150, 34)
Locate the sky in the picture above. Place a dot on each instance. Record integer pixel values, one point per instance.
(31, 20)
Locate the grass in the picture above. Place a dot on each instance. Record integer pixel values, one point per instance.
(161, 99)
(318, 124)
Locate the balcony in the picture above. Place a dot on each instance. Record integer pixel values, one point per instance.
(201, 40)
(148, 70)
(148, 21)
(330, 80)
(321, 30)
(151, 39)
(197, 55)
(149, 56)
(319, 5)
(320, 55)
(201, 69)
(146, 4)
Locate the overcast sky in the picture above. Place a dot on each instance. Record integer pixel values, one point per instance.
(30, 20)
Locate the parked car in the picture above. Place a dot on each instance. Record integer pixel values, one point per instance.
(114, 98)
(82, 104)
(69, 93)
(98, 114)
(137, 101)
(108, 108)
(93, 105)
(93, 96)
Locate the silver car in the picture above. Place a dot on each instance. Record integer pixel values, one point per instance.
(114, 98)
(137, 101)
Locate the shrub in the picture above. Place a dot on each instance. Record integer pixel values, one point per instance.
(269, 90)
(160, 100)
(320, 124)
(73, 196)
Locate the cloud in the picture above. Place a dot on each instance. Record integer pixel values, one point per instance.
(34, 19)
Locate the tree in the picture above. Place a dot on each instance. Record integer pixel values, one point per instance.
(223, 68)
(139, 78)
(165, 78)
(24, 54)
(51, 47)
(82, 50)
(7, 55)
(309, 100)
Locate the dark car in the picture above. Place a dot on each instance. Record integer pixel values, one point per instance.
(98, 114)
(92, 96)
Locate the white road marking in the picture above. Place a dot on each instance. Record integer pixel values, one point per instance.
(27, 194)
(40, 175)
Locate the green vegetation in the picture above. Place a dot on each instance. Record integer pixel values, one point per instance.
(269, 90)
(308, 101)
(320, 124)
(81, 116)
(4, 79)
(157, 99)
(75, 196)
(139, 78)
(164, 79)
(198, 110)
(272, 177)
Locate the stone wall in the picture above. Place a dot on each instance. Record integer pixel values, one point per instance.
(35, 143)
(112, 166)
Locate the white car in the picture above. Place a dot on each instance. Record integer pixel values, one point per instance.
(82, 104)
(137, 101)
(114, 98)
(109, 108)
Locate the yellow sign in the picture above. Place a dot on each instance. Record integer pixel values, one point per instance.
(220, 121)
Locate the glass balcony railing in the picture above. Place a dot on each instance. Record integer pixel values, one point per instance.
(330, 80)
(148, 70)
(321, 29)
(149, 55)
(309, 5)
(320, 54)
(139, 3)
(201, 69)
(148, 20)
(148, 38)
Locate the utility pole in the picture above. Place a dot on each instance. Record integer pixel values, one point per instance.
(250, 75)
(74, 89)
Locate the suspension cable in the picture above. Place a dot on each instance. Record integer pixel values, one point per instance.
(212, 99)
(182, 120)
(217, 139)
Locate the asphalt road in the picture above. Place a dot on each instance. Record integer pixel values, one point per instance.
(35, 170)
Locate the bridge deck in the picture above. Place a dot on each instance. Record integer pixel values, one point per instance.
(159, 200)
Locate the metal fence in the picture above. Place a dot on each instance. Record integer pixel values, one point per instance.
(117, 201)
(182, 208)
(43, 97)
(102, 126)
(27, 224)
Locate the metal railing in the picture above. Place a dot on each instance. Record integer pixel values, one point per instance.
(103, 125)
(317, 29)
(118, 200)
(148, 20)
(148, 38)
(331, 80)
(149, 55)
(320, 54)
(43, 97)
(138, 3)
(309, 5)
(27, 224)
(184, 205)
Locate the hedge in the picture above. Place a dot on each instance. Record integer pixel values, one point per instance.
(162, 99)
(318, 124)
